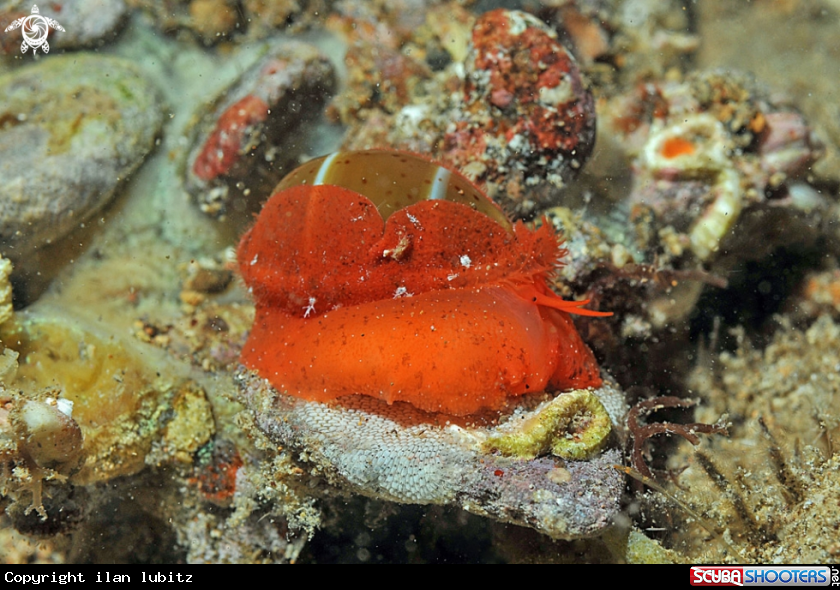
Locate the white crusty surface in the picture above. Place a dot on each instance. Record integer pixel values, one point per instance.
(397, 453)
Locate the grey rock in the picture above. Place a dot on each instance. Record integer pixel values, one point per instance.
(85, 23)
(257, 130)
(89, 22)
(71, 129)
(395, 452)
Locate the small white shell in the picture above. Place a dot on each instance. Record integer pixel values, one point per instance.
(49, 436)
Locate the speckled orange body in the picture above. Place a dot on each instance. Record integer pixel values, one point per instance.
(439, 305)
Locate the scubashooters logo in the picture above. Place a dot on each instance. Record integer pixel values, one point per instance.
(717, 576)
(761, 576)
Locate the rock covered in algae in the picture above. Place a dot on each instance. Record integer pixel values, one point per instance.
(398, 453)
(708, 149)
(258, 125)
(87, 22)
(71, 129)
(39, 440)
(527, 124)
(133, 407)
(510, 109)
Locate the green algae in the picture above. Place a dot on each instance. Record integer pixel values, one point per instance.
(574, 425)
(131, 409)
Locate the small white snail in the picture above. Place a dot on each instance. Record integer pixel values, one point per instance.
(47, 433)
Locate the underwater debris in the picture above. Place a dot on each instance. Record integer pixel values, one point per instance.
(40, 446)
(382, 74)
(696, 149)
(771, 487)
(214, 22)
(39, 442)
(203, 278)
(622, 43)
(209, 336)
(819, 294)
(215, 471)
(707, 149)
(794, 376)
(255, 539)
(640, 433)
(132, 408)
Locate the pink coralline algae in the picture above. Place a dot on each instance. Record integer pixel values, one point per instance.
(527, 123)
(222, 147)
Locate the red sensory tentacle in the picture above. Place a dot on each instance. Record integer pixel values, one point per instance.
(530, 292)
